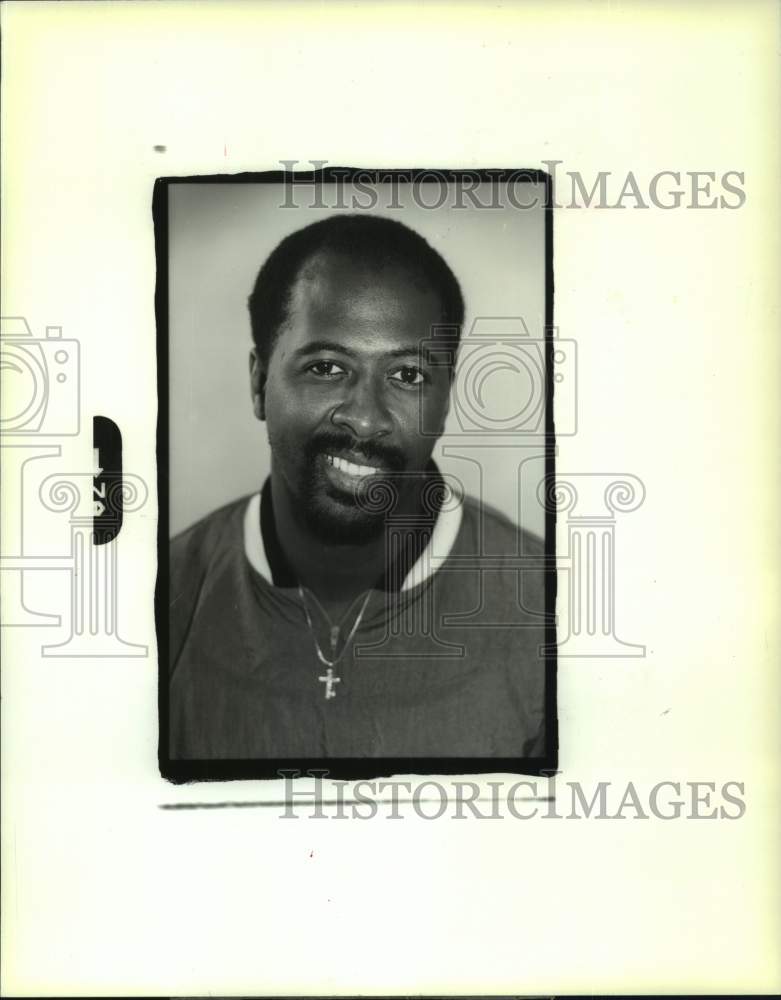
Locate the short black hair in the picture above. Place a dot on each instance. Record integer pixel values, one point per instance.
(372, 240)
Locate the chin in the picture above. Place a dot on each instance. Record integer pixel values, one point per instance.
(348, 518)
(343, 523)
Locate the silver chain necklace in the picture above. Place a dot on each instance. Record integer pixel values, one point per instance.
(329, 679)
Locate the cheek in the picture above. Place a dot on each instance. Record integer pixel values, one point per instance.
(419, 427)
(291, 417)
(281, 416)
(430, 417)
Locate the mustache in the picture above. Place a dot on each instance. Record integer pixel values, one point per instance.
(372, 451)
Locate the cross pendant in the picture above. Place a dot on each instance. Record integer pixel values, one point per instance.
(329, 680)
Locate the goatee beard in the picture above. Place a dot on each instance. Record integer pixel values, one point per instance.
(339, 519)
(342, 518)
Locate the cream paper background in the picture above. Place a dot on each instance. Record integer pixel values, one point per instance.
(676, 318)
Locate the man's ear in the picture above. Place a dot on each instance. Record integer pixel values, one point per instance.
(257, 379)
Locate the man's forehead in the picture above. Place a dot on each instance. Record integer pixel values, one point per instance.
(337, 287)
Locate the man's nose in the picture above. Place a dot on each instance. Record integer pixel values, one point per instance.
(363, 411)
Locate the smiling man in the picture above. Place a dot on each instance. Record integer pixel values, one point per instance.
(358, 605)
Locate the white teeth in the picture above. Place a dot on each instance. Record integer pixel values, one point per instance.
(349, 467)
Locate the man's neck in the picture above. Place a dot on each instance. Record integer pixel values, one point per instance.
(336, 573)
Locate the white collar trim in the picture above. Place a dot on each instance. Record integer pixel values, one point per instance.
(253, 539)
(440, 544)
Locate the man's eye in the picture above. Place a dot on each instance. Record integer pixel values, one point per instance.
(408, 375)
(326, 369)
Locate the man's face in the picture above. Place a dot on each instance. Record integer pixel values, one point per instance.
(346, 395)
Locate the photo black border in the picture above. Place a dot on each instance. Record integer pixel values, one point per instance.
(349, 768)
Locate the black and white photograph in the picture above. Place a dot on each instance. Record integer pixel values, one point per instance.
(359, 442)
(389, 588)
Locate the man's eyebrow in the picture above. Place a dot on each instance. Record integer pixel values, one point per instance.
(331, 345)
